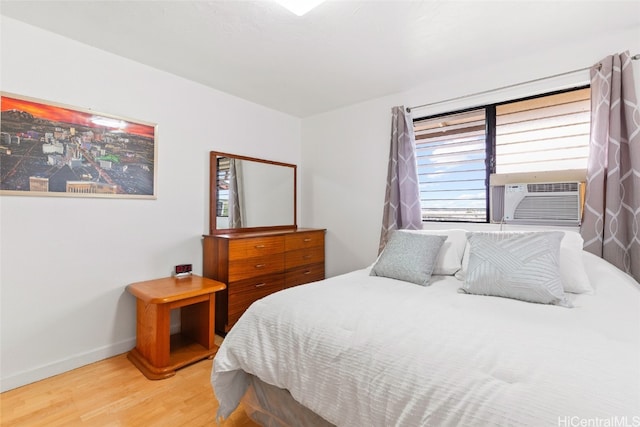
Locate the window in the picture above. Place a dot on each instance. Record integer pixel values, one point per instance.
(457, 152)
(451, 153)
(543, 134)
(222, 183)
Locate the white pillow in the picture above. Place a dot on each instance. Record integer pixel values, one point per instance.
(572, 272)
(522, 266)
(449, 259)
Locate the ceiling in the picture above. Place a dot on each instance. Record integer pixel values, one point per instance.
(340, 53)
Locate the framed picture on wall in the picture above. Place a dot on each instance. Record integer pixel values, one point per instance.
(49, 149)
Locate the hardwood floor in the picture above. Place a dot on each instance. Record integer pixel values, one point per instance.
(113, 392)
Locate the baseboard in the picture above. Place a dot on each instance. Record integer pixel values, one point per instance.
(73, 362)
(64, 365)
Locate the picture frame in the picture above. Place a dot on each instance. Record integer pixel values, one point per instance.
(52, 149)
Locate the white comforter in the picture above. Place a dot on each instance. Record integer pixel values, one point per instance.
(369, 351)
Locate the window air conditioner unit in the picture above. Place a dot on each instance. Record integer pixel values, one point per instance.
(553, 203)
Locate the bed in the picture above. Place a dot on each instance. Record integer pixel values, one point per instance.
(369, 349)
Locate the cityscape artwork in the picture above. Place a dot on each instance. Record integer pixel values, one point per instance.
(48, 149)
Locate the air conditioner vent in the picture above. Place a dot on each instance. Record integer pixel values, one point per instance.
(552, 187)
(553, 203)
(550, 208)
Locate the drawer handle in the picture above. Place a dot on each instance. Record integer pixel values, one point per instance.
(307, 272)
(260, 265)
(259, 246)
(307, 239)
(259, 285)
(306, 256)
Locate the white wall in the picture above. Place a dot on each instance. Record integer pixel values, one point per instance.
(65, 262)
(345, 151)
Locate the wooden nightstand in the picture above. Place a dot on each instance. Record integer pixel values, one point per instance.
(158, 353)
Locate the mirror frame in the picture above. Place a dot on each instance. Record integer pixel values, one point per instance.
(213, 194)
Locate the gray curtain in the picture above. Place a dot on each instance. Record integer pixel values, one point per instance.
(235, 205)
(402, 198)
(611, 220)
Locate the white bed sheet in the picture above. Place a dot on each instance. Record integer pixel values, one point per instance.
(370, 351)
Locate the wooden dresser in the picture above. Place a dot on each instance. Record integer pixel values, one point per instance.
(256, 264)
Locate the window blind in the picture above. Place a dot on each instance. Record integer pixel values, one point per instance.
(222, 183)
(451, 156)
(543, 134)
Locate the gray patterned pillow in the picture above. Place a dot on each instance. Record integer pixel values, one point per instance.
(524, 266)
(409, 256)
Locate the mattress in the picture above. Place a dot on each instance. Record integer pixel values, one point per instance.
(360, 350)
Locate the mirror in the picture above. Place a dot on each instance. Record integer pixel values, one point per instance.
(247, 193)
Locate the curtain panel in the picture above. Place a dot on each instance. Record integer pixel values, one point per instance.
(611, 219)
(235, 204)
(402, 196)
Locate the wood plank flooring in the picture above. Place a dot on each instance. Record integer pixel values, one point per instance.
(113, 392)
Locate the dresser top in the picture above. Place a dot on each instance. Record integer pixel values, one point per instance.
(251, 234)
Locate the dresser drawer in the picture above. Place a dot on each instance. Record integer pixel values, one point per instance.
(303, 240)
(258, 263)
(305, 274)
(243, 293)
(306, 256)
(254, 247)
(240, 269)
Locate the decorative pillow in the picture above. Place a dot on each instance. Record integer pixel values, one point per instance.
(409, 256)
(524, 266)
(572, 271)
(449, 259)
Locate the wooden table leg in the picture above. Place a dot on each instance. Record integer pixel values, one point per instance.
(151, 354)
